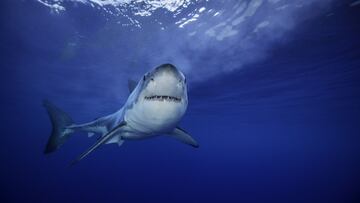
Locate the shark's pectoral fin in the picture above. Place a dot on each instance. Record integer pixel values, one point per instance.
(184, 137)
(100, 142)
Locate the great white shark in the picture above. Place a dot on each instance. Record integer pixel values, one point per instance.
(155, 106)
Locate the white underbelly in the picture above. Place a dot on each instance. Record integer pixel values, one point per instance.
(154, 116)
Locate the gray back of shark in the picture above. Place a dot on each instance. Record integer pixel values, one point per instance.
(154, 107)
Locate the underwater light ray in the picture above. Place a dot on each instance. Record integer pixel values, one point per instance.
(203, 38)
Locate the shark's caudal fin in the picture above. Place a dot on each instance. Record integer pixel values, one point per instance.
(59, 134)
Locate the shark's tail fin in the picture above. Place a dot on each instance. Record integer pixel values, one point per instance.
(59, 120)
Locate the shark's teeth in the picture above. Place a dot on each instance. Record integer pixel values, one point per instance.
(163, 98)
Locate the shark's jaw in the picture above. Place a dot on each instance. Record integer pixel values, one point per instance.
(163, 98)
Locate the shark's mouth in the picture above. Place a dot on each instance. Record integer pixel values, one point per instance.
(163, 98)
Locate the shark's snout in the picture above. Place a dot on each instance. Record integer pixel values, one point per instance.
(167, 67)
(169, 70)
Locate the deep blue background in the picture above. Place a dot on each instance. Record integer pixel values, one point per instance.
(286, 129)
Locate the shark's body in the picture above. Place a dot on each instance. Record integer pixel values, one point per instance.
(155, 106)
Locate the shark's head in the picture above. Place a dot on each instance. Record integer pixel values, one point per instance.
(162, 96)
(165, 84)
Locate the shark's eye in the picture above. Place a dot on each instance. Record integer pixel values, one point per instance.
(152, 79)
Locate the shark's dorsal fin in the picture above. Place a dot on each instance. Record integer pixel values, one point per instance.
(131, 85)
(100, 142)
(183, 137)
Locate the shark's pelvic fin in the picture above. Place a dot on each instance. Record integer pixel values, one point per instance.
(131, 85)
(100, 142)
(116, 139)
(59, 134)
(184, 137)
(97, 126)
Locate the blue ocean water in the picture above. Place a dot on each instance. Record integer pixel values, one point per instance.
(276, 112)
